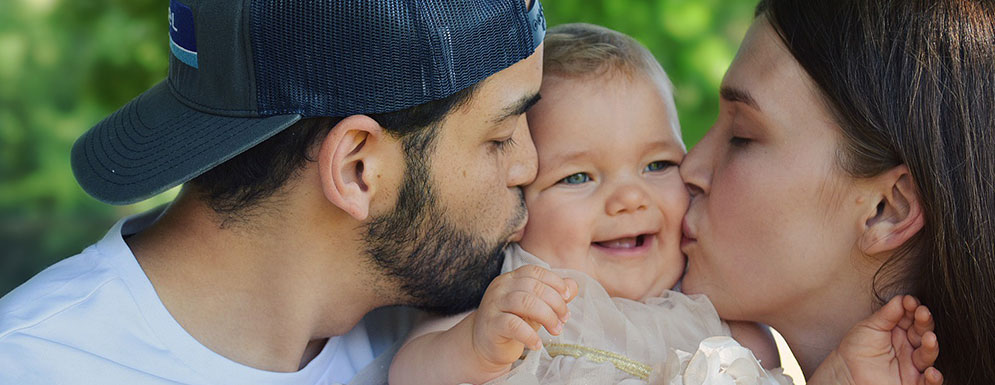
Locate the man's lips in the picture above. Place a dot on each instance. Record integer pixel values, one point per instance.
(517, 235)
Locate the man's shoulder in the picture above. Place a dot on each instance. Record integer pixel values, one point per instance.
(80, 322)
(81, 286)
(54, 291)
(79, 295)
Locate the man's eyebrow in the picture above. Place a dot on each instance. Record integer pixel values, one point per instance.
(739, 95)
(520, 107)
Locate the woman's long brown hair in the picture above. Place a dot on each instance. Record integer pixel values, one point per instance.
(913, 82)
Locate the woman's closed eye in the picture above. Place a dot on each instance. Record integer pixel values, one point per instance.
(578, 178)
(738, 141)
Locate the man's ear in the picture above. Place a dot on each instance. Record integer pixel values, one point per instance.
(351, 153)
(897, 216)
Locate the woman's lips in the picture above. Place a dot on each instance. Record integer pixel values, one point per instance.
(688, 237)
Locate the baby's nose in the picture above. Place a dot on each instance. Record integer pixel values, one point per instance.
(626, 198)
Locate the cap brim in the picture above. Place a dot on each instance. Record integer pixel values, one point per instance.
(155, 142)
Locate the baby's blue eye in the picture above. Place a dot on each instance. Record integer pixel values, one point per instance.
(577, 178)
(658, 165)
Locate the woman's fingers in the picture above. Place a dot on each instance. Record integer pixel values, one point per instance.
(925, 355)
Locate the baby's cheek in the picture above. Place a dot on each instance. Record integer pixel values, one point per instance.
(673, 197)
(555, 232)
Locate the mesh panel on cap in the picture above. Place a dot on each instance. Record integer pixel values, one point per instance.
(344, 57)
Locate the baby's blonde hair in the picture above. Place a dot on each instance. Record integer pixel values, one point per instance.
(588, 51)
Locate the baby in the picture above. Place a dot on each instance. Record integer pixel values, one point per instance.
(600, 254)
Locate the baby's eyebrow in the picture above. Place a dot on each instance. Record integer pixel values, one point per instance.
(566, 157)
(667, 144)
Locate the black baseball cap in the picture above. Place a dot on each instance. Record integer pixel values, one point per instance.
(243, 70)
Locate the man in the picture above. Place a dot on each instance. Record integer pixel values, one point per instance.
(337, 157)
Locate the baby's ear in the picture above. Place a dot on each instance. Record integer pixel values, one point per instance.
(898, 215)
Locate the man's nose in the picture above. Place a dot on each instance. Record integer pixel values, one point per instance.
(524, 162)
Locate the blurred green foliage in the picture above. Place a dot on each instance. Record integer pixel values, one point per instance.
(64, 65)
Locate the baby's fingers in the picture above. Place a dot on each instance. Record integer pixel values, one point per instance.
(548, 286)
(887, 317)
(923, 323)
(909, 304)
(549, 278)
(932, 376)
(515, 328)
(536, 307)
(572, 288)
(925, 355)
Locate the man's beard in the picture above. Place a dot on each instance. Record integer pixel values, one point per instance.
(442, 268)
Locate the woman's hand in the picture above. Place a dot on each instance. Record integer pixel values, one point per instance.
(895, 345)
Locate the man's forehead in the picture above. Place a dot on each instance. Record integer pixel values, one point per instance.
(508, 93)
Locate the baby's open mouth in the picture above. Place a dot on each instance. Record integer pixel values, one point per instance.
(623, 243)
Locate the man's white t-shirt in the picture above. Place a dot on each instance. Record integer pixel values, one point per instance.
(95, 318)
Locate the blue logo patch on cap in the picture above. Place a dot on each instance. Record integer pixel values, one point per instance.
(537, 21)
(182, 40)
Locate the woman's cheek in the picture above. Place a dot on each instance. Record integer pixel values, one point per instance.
(741, 212)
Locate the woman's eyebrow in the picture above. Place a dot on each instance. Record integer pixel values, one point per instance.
(733, 94)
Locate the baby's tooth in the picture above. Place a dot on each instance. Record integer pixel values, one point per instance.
(624, 243)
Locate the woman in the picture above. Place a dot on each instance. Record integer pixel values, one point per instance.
(863, 132)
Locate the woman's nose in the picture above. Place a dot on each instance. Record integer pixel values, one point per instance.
(696, 169)
(627, 198)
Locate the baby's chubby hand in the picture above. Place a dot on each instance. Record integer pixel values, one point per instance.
(514, 306)
(895, 345)
(483, 345)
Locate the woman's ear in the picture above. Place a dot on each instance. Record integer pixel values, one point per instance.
(897, 216)
(352, 151)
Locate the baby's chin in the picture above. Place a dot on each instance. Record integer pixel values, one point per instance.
(635, 294)
(639, 291)
(626, 279)
(620, 277)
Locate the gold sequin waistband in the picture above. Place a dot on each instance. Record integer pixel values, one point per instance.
(621, 362)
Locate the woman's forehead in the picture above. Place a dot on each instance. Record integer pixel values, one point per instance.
(765, 76)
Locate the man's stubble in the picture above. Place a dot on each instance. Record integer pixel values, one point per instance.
(440, 267)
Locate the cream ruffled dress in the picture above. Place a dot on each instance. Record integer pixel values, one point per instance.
(675, 339)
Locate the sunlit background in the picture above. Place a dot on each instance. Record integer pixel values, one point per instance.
(64, 65)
